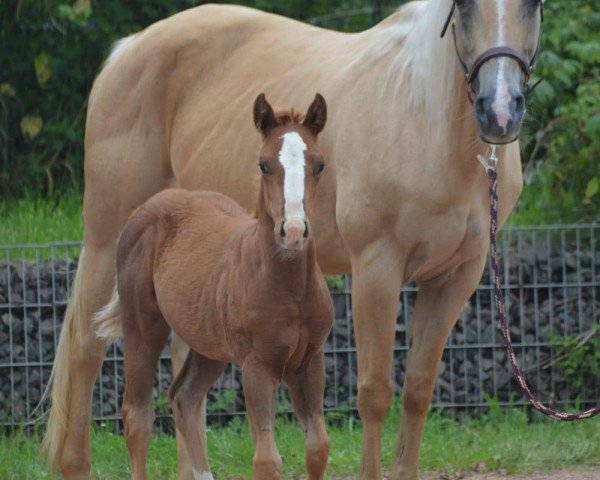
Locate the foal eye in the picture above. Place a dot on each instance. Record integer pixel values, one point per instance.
(264, 168)
(320, 168)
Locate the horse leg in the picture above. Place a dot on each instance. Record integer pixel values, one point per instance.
(187, 395)
(178, 350)
(436, 311)
(260, 388)
(145, 336)
(307, 390)
(120, 180)
(376, 285)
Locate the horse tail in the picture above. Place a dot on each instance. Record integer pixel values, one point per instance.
(107, 321)
(60, 378)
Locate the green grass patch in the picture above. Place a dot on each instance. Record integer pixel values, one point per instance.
(36, 220)
(41, 220)
(495, 441)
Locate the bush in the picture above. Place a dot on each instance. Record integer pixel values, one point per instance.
(52, 51)
(561, 151)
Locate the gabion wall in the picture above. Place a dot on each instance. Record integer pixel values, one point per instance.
(551, 282)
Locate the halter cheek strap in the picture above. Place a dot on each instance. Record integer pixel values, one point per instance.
(527, 66)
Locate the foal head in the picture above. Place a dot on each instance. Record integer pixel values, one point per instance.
(498, 76)
(290, 164)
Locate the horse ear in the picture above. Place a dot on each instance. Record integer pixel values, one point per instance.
(316, 117)
(264, 116)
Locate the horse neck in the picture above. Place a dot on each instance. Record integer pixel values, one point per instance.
(291, 272)
(423, 84)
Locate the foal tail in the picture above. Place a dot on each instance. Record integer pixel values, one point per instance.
(107, 321)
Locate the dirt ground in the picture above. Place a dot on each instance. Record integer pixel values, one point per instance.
(575, 474)
(584, 474)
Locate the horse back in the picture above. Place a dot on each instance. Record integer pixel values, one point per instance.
(179, 216)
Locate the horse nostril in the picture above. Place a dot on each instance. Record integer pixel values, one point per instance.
(281, 231)
(305, 230)
(480, 106)
(519, 104)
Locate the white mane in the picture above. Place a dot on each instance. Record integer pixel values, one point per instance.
(420, 65)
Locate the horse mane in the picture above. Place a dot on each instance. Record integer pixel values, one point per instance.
(421, 66)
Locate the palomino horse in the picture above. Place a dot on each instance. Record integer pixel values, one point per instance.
(238, 290)
(405, 198)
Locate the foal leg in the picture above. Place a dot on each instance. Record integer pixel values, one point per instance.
(187, 395)
(141, 354)
(436, 310)
(260, 387)
(178, 350)
(307, 390)
(376, 285)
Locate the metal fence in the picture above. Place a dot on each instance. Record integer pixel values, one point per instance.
(551, 284)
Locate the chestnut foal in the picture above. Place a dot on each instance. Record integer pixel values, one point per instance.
(237, 289)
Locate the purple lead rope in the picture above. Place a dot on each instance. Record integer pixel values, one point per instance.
(567, 417)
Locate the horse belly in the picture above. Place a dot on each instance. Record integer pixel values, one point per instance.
(186, 282)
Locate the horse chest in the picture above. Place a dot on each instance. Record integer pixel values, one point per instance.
(446, 244)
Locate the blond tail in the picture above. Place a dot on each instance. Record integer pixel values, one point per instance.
(109, 324)
(60, 378)
(107, 321)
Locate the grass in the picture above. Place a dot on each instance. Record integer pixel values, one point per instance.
(495, 441)
(34, 220)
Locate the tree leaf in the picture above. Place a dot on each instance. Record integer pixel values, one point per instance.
(31, 126)
(7, 89)
(43, 72)
(593, 187)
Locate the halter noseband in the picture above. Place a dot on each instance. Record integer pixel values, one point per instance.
(527, 67)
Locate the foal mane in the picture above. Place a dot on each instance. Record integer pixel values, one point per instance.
(289, 117)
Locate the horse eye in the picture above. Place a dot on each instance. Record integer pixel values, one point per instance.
(264, 168)
(320, 168)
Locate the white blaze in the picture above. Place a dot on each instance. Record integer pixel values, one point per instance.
(291, 156)
(502, 97)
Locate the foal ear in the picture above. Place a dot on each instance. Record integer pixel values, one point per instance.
(264, 116)
(316, 117)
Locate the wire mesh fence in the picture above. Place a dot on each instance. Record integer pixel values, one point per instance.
(551, 279)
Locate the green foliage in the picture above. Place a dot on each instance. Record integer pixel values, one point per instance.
(562, 131)
(51, 53)
(222, 401)
(579, 357)
(335, 283)
(52, 50)
(161, 405)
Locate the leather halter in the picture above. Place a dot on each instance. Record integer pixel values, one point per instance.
(527, 66)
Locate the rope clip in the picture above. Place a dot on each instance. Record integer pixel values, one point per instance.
(490, 163)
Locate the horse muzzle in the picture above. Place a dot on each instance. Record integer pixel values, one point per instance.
(499, 115)
(293, 234)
